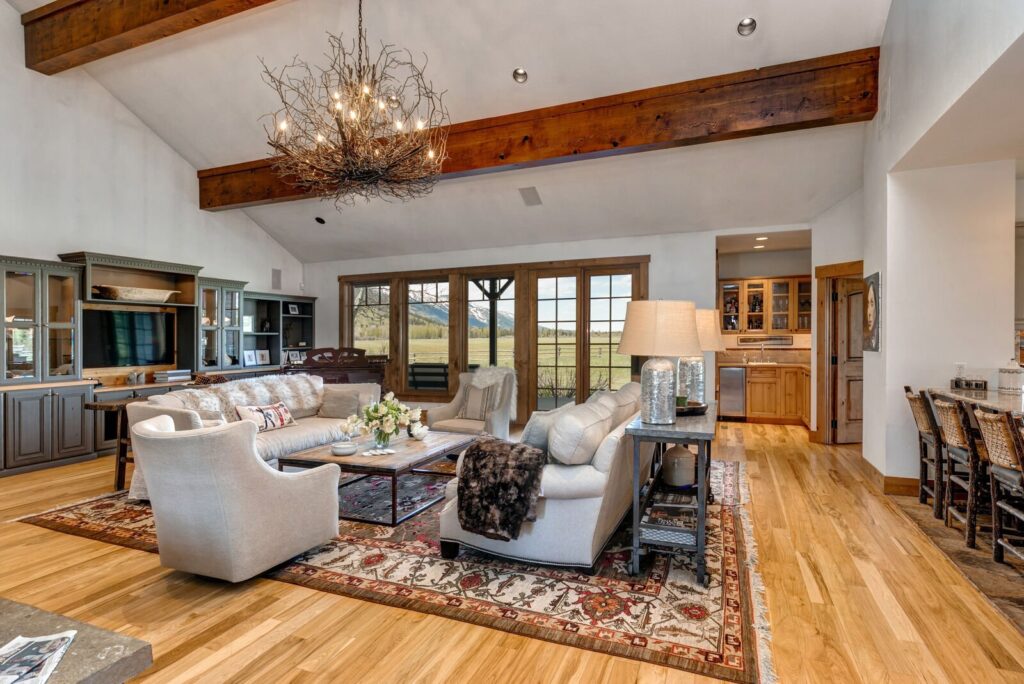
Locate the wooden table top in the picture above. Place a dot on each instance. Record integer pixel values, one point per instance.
(409, 453)
(110, 404)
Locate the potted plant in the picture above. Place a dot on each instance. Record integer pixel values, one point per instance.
(385, 419)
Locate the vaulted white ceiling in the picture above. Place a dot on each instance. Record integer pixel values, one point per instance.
(201, 92)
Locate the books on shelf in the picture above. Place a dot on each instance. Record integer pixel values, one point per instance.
(173, 376)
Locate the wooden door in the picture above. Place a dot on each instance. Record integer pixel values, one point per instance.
(762, 393)
(72, 424)
(28, 428)
(849, 360)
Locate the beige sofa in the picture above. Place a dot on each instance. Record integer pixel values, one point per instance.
(195, 408)
(220, 510)
(581, 505)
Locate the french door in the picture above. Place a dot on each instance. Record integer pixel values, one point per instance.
(577, 316)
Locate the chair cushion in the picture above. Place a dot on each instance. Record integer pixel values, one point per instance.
(272, 417)
(305, 433)
(463, 426)
(621, 404)
(479, 402)
(1008, 476)
(535, 433)
(340, 401)
(576, 435)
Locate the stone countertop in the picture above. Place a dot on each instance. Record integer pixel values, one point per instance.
(781, 364)
(990, 398)
(97, 656)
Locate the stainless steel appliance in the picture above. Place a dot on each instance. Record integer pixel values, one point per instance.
(732, 392)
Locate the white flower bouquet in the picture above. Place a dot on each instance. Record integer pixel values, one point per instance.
(385, 418)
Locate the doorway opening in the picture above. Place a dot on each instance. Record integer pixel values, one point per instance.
(839, 357)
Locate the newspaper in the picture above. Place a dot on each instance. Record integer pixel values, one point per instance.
(31, 660)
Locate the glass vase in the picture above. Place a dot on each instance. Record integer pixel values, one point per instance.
(381, 439)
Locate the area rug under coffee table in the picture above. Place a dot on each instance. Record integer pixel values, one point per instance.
(661, 616)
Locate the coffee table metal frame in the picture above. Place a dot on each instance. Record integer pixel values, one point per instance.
(297, 461)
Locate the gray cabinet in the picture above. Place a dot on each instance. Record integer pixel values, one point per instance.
(28, 430)
(105, 422)
(46, 425)
(220, 325)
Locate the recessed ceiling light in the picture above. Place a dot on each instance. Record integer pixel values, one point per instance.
(746, 26)
(762, 238)
(320, 220)
(758, 246)
(519, 75)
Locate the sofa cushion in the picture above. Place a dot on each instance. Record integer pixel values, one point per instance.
(576, 435)
(463, 426)
(206, 403)
(536, 431)
(302, 393)
(340, 401)
(266, 418)
(622, 402)
(572, 482)
(305, 433)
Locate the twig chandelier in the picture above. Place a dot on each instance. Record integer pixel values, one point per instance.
(358, 128)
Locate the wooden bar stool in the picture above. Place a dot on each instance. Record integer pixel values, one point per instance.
(929, 443)
(964, 457)
(1005, 444)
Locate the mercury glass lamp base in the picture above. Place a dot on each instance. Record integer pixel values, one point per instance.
(658, 391)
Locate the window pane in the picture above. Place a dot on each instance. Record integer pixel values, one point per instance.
(545, 310)
(427, 343)
(546, 288)
(371, 318)
(479, 312)
(600, 310)
(600, 286)
(608, 298)
(566, 310)
(556, 341)
(622, 285)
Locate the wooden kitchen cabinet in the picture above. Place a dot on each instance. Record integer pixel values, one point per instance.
(762, 393)
(805, 393)
(791, 393)
(757, 305)
(778, 394)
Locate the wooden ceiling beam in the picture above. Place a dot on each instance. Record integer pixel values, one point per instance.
(70, 33)
(824, 91)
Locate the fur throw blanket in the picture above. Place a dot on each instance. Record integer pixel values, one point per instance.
(486, 376)
(499, 485)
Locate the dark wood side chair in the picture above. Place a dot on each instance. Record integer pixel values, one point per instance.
(1005, 443)
(965, 454)
(929, 444)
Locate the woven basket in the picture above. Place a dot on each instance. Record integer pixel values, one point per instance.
(920, 411)
(952, 428)
(1002, 451)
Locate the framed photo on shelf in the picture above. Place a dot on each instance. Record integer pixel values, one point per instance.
(293, 309)
(262, 357)
(248, 324)
(295, 357)
(249, 357)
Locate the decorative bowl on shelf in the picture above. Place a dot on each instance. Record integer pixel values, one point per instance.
(692, 408)
(133, 294)
(344, 448)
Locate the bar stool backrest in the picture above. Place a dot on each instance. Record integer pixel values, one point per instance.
(922, 410)
(1003, 440)
(953, 428)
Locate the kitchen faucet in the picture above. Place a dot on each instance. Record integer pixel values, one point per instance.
(762, 352)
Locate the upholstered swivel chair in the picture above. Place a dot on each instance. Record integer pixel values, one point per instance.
(221, 511)
(460, 414)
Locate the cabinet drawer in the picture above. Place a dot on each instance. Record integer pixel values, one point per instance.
(762, 373)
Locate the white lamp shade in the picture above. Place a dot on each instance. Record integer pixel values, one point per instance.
(660, 328)
(708, 330)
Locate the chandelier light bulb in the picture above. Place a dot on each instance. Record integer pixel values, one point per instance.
(430, 154)
(380, 105)
(420, 125)
(352, 114)
(338, 106)
(393, 102)
(320, 137)
(399, 124)
(366, 89)
(283, 125)
(337, 95)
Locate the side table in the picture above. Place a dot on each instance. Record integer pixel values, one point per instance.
(687, 430)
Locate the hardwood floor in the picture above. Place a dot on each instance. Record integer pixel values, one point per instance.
(856, 594)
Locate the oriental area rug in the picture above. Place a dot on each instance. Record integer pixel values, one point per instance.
(661, 616)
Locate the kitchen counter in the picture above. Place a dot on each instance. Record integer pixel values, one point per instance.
(805, 366)
(989, 398)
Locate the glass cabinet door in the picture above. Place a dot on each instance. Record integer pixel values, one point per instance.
(20, 291)
(209, 348)
(232, 309)
(21, 326)
(781, 301)
(755, 301)
(232, 349)
(21, 362)
(803, 305)
(209, 307)
(729, 306)
(61, 354)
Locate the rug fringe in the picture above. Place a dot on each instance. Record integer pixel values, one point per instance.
(762, 623)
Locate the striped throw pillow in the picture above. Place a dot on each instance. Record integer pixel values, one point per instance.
(479, 402)
(266, 417)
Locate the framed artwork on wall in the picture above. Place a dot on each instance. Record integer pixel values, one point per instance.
(873, 312)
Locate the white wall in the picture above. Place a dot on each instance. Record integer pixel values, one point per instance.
(765, 264)
(932, 51)
(837, 236)
(78, 171)
(682, 267)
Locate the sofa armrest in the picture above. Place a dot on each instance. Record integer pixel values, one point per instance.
(450, 410)
(497, 422)
(313, 491)
(572, 482)
(184, 419)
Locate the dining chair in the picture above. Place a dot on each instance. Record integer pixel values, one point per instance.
(1005, 443)
(930, 453)
(965, 456)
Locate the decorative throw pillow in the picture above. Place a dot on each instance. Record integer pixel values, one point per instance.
(479, 402)
(266, 418)
(535, 433)
(576, 435)
(340, 402)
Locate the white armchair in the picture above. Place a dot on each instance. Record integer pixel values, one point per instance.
(446, 418)
(221, 510)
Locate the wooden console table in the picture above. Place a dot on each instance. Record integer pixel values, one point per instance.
(121, 457)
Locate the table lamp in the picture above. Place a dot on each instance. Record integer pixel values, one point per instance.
(692, 373)
(663, 331)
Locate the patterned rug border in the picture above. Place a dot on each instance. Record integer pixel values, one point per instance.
(755, 611)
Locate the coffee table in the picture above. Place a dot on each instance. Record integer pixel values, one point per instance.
(409, 455)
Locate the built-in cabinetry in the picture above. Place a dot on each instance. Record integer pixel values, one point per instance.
(44, 424)
(220, 325)
(769, 305)
(778, 393)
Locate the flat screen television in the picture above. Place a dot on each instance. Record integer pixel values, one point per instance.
(127, 338)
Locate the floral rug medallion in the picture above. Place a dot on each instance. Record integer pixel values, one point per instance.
(661, 616)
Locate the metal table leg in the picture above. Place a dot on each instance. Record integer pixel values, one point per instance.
(635, 556)
(703, 453)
